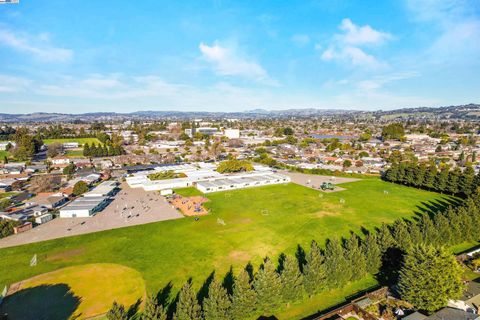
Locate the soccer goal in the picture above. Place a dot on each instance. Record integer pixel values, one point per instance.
(33, 261)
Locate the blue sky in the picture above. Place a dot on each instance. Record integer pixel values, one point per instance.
(87, 56)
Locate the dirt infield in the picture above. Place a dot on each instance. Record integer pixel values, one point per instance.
(190, 206)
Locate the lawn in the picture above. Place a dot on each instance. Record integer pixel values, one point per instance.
(79, 290)
(4, 154)
(258, 222)
(74, 153)
(80, 141)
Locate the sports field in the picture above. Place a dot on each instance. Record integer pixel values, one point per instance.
(244, 226)
(80, 141)
(78, 290)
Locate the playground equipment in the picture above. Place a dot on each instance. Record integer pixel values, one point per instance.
(327, 186)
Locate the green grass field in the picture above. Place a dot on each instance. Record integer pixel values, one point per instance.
(87, 296)
(4, 154)
(81, 141)
(259, 222)
(74, 153)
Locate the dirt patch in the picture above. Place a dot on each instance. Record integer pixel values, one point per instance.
(189, 206)
(244, 221)
(65, 255)
(239, 256)
(321, 214)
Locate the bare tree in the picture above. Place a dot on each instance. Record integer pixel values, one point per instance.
(54, 149)
(45, 183)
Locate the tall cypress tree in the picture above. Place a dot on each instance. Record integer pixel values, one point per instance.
(453, 181)
(455, 225)
(117, 312)
(372, 253)
(430, 233)
(217, 305)
(153, 311)
(187, 305)
(86, 150)
(268, 287)
(430, 277)
(355, 257)
(337, 266)
(384, 238)
(466, 224)
(243, 298)
(401, 235)
(416, 235)
(466, 181)
(442, 179)
(291, 279)
(444, 229)
(315, 274)
(430, 176)
(421, 173)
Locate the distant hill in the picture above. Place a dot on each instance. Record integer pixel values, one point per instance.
(465, 112)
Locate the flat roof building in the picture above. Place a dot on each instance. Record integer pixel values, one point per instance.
(83, 207)
(104, 189)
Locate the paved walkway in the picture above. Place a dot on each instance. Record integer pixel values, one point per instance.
(129, 207)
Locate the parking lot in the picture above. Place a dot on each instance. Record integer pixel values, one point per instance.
(129, 207)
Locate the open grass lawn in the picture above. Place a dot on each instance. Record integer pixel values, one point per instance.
(74, 153)
(7, 194)
(84, 291)
(81, 141)
(4, 154)
(258, 222)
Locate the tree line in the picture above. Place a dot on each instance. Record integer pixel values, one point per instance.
(427, 176)
(410, 253)
(105, 150)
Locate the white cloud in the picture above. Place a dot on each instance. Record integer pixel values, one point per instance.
(112, 86)
(12, 84)
(301, 40)
(457, 25)
(227, 61)
(378, 82)
(357, 35)
(346, 46)
(353, 55)
(37, 46)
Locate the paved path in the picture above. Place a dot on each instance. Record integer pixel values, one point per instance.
(130, 207)
(314, 181)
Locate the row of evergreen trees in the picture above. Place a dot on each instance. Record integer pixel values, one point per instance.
(106, 150)
(307, 274)
(427, 176)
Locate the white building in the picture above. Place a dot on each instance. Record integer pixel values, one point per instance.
(83, 207)
(104, 189)
(4, 145)
(205, 178)
(207, 130)
(60, 160)
(241, 182)
(44, 218)
(232, 133)
(70, 145)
